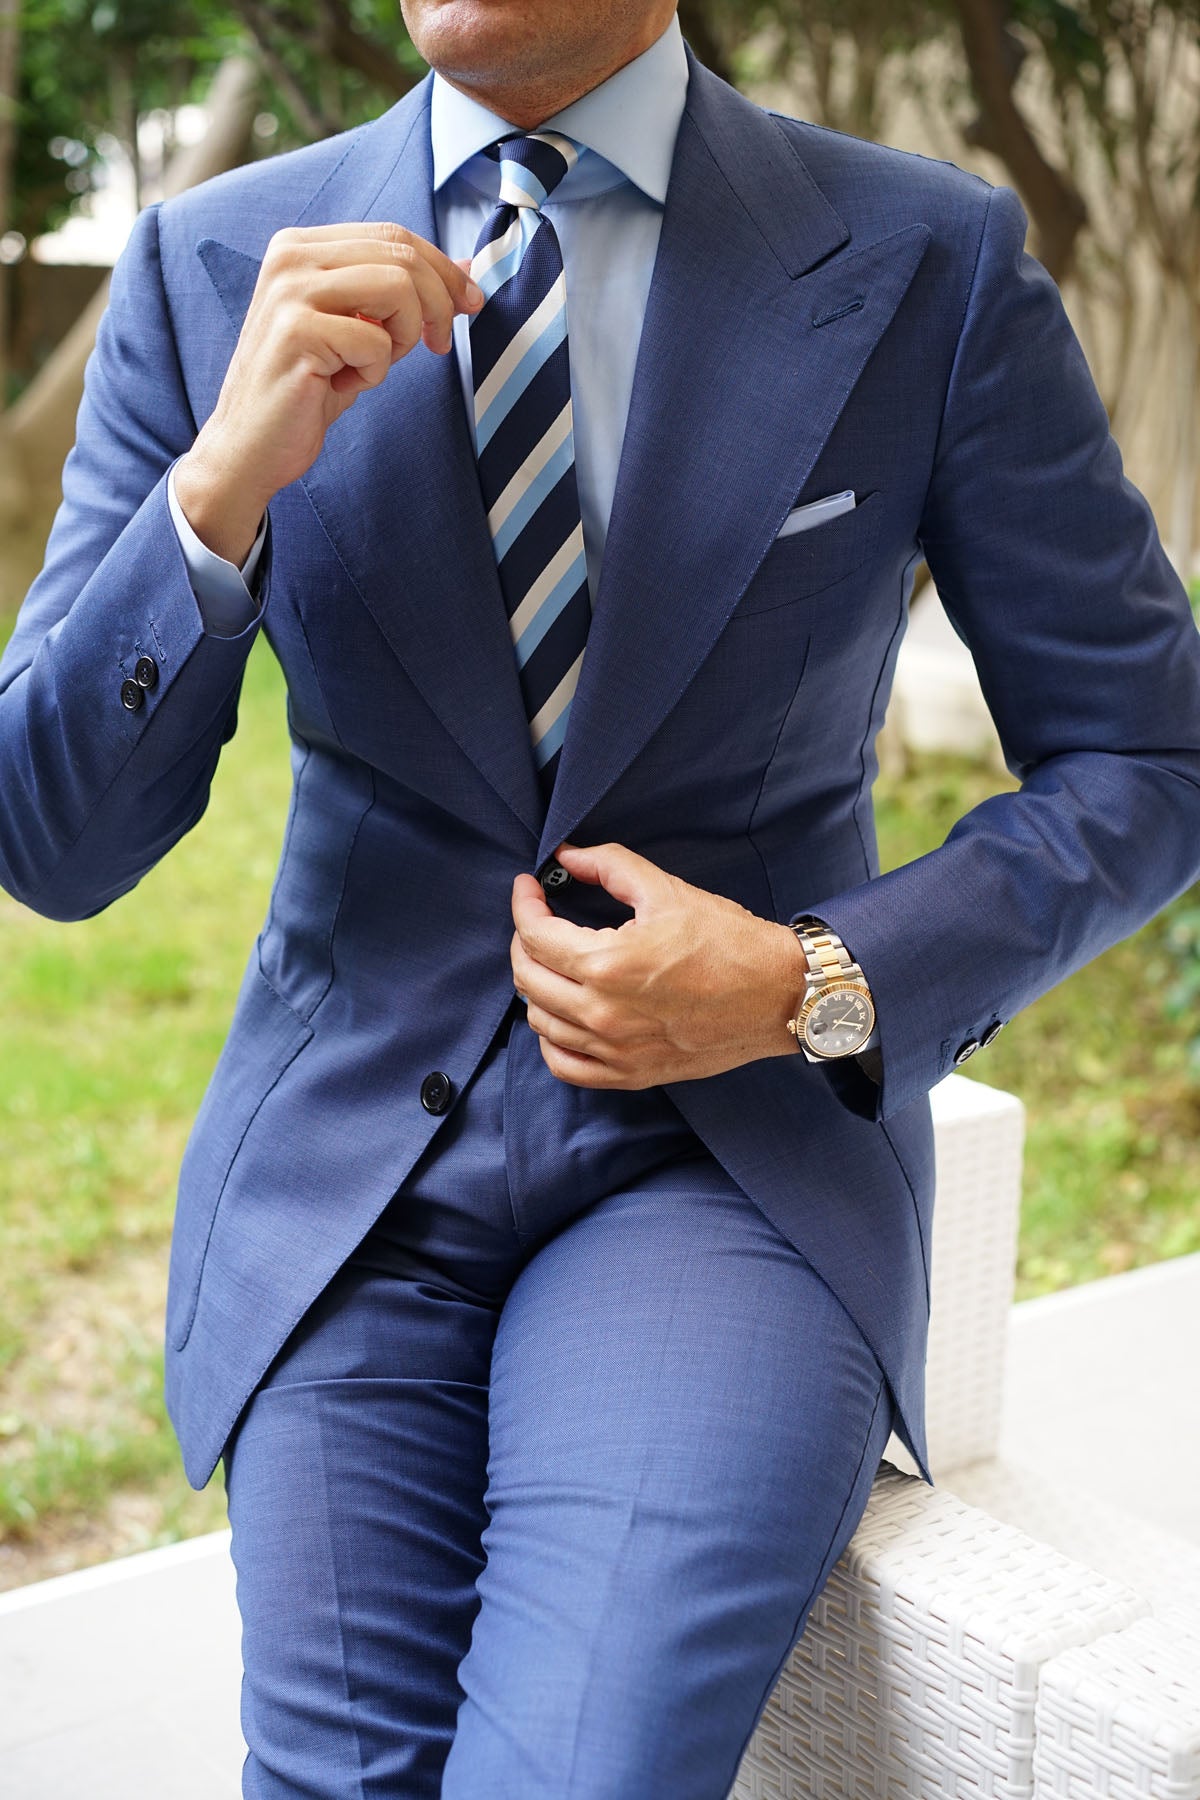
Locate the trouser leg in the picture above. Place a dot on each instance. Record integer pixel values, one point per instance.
(684, 1428)
(356, 1499)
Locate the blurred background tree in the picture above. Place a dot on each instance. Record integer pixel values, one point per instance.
(1089, 108)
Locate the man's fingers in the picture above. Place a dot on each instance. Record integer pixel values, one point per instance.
(577, 1070)
(333, 246)
(624, 874)
(410, 294)
(559, 1031)
(557, 993)
(549, 940)
(357, 353)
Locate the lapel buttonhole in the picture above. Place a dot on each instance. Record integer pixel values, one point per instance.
(838, 312)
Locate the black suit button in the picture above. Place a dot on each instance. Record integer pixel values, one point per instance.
(991, 1034)
(132, 696)
(145, 672)
(964, 1051)
(554, 878)
(435, 1092)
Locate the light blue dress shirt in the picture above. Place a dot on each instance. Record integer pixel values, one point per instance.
(607, 212)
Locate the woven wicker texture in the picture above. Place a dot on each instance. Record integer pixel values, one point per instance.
(1119, 1718)
(917, 1671)
(979, 1133)
(1164, 1568)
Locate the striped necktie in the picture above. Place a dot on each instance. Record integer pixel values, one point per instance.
(523, 436)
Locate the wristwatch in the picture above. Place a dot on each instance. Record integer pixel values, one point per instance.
(836, 1014)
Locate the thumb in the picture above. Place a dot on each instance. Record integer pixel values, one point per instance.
(624, 874)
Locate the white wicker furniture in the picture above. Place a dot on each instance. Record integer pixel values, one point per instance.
(979, 1134)
(998, 1635)
(918, 1672)
(1119, 1719)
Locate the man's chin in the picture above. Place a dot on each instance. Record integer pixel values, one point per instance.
(475, 41)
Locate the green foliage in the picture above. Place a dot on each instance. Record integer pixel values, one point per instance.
(110, 1031)
(1104, 1062)
(90, 68)
(87, 67)
(1182, 944)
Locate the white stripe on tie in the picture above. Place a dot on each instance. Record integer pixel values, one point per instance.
(499, 247)
(530, 469)
(528, 335)
(566, 147)
(547, 581)
(562, 696)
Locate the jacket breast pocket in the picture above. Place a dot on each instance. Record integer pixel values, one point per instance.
(807, 562)
(264, 1040)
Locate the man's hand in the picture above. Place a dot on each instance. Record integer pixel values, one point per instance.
(334, 307)
(693, 984)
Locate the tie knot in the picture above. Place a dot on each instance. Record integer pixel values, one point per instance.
(532, 166)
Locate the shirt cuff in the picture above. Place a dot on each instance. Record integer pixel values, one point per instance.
(223, 593)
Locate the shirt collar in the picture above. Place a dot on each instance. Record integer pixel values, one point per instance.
(631, 120)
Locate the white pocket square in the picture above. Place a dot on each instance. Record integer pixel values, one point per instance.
(802, 518)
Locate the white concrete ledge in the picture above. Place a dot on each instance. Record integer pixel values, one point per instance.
(1102, 1390)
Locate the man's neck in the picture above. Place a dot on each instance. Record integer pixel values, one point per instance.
(529, 104)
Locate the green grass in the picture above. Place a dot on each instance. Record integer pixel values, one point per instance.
(110, 1029)
(1112, 1160)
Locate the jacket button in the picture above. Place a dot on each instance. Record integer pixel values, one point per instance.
(145, 672)
(436, 1090)
(964, 1051)
(554, 878)
(132, 696)
(991, 1034)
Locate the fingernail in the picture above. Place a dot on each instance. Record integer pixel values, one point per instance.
(474, 294)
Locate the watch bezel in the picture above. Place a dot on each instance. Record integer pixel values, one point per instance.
(827, 991)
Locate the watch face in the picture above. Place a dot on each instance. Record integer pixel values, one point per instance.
(840, 1023)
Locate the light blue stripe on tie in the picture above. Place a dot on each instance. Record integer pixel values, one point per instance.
(552, 741)
(501, 271)
(549, 610)
(515, 174)
(548, 477)
(539, 352)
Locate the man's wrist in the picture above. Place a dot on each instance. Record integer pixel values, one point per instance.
(225, 517)
(794, 969)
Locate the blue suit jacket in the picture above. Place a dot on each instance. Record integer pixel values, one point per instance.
(825, 314)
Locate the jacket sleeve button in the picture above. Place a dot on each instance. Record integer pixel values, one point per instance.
(436, 1092)
(991, 1034)
(145, 672)
(554, 878)
(965, 1051)
(132, 696)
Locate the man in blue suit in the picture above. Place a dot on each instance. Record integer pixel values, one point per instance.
(551, 1256)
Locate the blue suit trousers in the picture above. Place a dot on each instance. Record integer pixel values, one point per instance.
(535, 1500)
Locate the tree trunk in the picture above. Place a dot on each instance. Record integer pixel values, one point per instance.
(10, 38)
(37, 433)
(1054, 203)
(1181, 525)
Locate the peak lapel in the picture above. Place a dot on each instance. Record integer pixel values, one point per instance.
(754, 336)
(395, 486)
